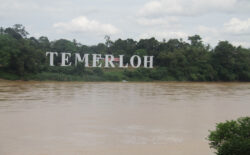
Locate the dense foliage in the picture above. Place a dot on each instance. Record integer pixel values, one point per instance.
(231, 137)
(23, 57)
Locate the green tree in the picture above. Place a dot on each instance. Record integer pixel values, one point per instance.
(108, 41)
(8, 49)
(44, 43)
(231, 137)
(195, 40)
(19, 28)
(17, 31)
(20, 55)
(1, 30)
(223, 59)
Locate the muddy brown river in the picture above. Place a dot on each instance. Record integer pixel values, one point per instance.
(78, 118)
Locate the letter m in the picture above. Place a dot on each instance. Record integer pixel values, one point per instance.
(79, 59)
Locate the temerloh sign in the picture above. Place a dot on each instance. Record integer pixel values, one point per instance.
(109, 59)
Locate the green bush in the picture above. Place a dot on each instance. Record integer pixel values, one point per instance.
(8, 76)
(231, 137)
(114, 76)
(98, 71)
(45, 76)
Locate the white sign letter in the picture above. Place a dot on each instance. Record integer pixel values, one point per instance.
(121, 62)
(96, 59)
(51, 57)
(138, 61)
(65, 59)
(150, 61)
(85, 58)
(109, 60)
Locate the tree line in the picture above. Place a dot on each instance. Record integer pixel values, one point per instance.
(174, 60)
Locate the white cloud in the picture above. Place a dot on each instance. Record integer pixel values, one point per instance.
(192, 7)
(210, 35)
(82, 25)
(233, 27)
(164, 35)
(207, 30)
(150, 22)
(235, 30)
(241, 43)
(151, 7)
(23, 7)
(157, 21)
(238, 27)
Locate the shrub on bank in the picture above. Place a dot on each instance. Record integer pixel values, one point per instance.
(231, 137)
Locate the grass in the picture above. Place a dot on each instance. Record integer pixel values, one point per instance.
(91, 74)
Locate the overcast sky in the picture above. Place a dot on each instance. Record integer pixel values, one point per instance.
(88, 21)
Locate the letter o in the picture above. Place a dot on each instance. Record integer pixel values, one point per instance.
(132, 59)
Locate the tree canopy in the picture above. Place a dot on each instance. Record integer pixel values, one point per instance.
(231, 137)
(174, 59)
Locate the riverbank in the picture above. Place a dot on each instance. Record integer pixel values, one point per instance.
(108, 74)
(90, 74)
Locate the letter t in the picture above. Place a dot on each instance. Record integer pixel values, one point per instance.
(51, 55)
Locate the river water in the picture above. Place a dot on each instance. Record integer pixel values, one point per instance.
(78, 118)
